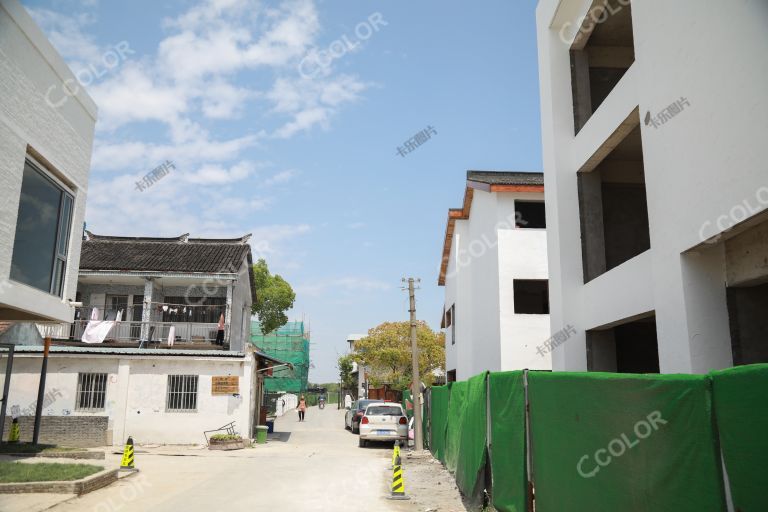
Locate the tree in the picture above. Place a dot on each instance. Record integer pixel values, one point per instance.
(274, 296)
(348, 382)
(387, 352)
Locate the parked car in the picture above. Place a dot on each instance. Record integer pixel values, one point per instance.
(354, 414)
(383, 421)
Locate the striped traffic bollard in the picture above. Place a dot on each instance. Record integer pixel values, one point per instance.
(13, 437)
(127, 463)
(398, 486)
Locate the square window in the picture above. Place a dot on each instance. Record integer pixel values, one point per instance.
(531, 297)
(530, 215)
(182, 393)
(91, 391)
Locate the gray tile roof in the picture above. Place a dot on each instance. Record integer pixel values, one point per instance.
(180, 254)
(506, 178)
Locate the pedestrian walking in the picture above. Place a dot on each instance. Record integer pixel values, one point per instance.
(302, 408)
(348, 401)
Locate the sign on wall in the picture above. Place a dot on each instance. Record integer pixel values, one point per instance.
(225, 385)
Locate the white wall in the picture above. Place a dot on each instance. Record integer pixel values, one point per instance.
(522, 255)
(698, 166)
(63, 135)
(486, 255)
(136, 393)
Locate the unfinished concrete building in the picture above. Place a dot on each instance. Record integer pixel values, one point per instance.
(654, 121)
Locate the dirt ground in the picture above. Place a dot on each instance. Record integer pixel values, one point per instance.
(430, 486)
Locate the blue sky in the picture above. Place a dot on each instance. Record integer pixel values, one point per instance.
(304, 156)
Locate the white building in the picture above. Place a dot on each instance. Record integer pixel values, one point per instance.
(654, 121)
(100, 395)
(494, 269)
(356, 368)
(46, 146)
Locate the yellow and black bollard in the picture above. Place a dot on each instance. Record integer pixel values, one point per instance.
(127, 463)
(395, 454)
(13, 437)
(398, 486)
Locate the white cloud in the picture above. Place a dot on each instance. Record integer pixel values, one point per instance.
(281, 177)
(216, 174)
(266, 240)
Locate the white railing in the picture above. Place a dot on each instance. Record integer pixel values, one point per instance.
(186, 332)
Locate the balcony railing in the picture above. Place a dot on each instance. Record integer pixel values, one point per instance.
(130, 332)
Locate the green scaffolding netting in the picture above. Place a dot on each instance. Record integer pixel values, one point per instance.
(741, 408)
(508, 451)
(439, 397)
(289, 343)
(624, 442)
(473, 435)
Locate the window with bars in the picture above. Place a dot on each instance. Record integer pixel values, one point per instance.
(182, 393)
(91, 391)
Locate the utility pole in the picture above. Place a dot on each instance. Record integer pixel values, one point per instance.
(416, 385)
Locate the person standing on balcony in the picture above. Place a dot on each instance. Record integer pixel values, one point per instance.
(220, 332)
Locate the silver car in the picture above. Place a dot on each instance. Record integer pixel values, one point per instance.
(355, 414)
(383, 421)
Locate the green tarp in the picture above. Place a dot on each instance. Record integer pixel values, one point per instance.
(473, 435)
(624, 443)
(741, 408)
(439, 420)
(508, 453)
(456, 404)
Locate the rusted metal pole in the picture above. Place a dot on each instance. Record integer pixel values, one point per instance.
(6, 387)
(41, 392)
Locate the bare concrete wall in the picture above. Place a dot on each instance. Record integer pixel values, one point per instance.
(747, 309)
(746, 256)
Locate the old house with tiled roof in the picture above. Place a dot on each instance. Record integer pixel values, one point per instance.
(140, 357)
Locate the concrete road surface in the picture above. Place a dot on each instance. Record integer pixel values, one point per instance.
(312, 466)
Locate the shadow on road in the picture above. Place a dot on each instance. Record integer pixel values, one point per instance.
(281, 437)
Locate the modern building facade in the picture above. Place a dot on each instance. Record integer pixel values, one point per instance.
(656, 182)
(494, 270)
(46, 137)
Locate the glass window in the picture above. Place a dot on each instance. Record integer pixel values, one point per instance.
(384, 410)
(42, 232)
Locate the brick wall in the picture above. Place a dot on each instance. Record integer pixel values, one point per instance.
(77, 431)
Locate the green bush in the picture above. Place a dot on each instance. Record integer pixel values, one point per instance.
(226, 437)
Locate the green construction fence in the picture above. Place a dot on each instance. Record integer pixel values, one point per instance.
(606, 441)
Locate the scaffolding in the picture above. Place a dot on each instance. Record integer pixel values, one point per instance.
(289, 343)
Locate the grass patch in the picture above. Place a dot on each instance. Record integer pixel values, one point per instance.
(36, 448)
(13, 472)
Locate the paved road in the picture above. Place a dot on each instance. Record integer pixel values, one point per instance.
(315, 466)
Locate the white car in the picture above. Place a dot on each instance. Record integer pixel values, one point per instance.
(383, 421)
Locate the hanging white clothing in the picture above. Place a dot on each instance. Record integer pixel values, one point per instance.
(97, 330)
